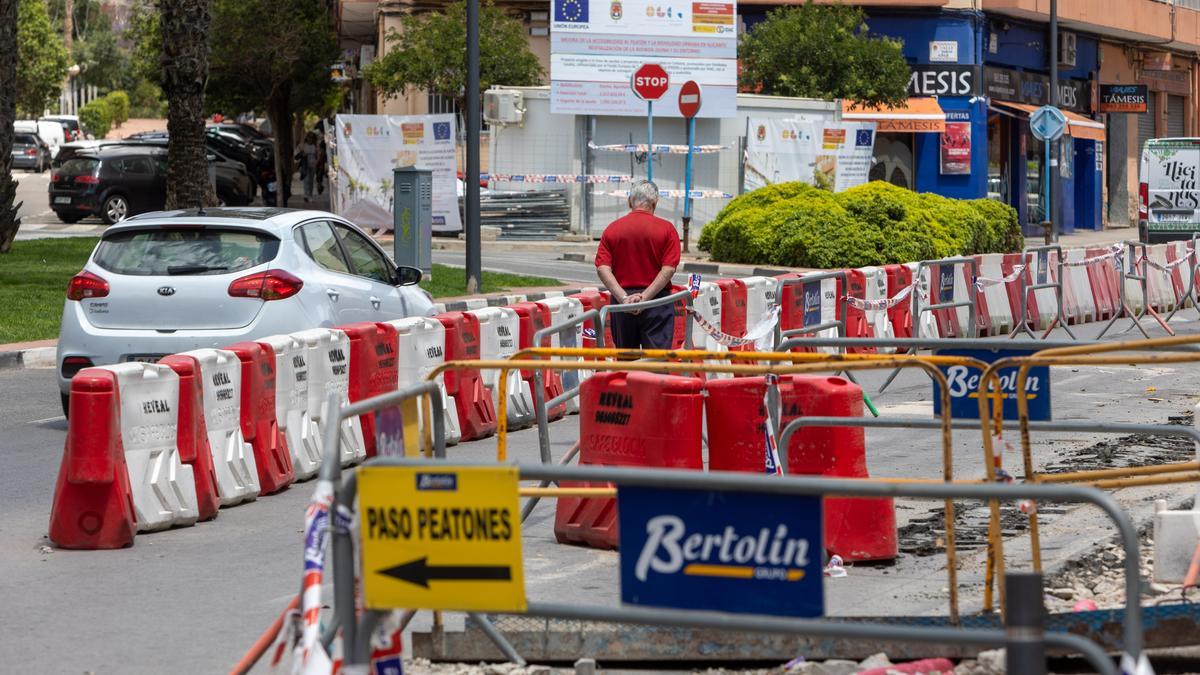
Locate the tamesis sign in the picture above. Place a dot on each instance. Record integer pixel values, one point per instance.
(649, 82)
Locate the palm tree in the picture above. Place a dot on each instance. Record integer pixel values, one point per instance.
(184, 28)
(8, 113)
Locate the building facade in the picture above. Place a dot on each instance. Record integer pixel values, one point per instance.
(986, 63)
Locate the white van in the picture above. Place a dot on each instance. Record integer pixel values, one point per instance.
(1169, 191)
(51, 132)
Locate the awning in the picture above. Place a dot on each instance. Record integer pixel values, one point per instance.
(919, 114)
(1079, 126)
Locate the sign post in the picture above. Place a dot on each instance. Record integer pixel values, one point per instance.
(649, 82)
(689, 105)
(1048, 124)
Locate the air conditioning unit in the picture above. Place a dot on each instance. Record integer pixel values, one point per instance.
(1068, 47)
(503, 106)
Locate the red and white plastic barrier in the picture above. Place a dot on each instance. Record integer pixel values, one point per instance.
(233, 457)
(328, 357)
(421, 347)
(291, 404)
(499, 330)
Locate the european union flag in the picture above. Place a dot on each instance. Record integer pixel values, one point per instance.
(571, 11)
(863, 138)
(441, 131)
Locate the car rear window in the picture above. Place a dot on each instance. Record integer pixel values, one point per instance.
(80, 166)
(25, 139)
(178, 252)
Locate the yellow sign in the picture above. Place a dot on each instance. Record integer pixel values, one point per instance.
(441, 537)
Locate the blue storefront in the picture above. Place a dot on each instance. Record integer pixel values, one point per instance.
(987, 74)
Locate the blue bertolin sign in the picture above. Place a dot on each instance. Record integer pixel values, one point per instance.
(964, 385)
(726, 551)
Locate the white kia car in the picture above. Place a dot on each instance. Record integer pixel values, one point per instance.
(166, 282)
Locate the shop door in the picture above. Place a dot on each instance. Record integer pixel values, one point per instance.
(1175, 116)
(1145, 122)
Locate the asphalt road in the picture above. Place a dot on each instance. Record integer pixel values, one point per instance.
(193, 599)
(35, 204)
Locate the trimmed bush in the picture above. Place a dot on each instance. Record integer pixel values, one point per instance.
(118, 107)
(96, 118)
(798, 225)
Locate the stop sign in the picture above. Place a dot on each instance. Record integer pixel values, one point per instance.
(649, 82)
(689, 99)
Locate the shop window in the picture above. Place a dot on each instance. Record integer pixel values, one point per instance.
(894, 161)
(1034, 151)
(999, 176)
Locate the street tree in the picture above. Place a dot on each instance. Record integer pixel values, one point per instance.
(41, 59)
(273, 55)
(184, 27)
(430, 53)
(822, 51)
(9, 223)
(92, 43)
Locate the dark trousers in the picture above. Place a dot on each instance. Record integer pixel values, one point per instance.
(652, 328)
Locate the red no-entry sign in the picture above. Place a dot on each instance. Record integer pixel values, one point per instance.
(689, 99)
(649, 82)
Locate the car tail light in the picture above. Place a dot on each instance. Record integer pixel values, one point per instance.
(272, 285)
(73, 364)
(87, 285)
(32, 152)
(1143, 200)
(55, 177)
(89, 180)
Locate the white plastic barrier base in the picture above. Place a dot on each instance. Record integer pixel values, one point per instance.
(999, 311)
(233, 458)
(499, 328)
(563, 309)
(926, 325)
(760, 298)
(1176, 534)
(876, 288)
(328, 351)
(164, 489)
(1077, 285)
(291, 404)
(708, 304)
(421, 347)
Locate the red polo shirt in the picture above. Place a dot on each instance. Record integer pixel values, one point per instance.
(636, 246)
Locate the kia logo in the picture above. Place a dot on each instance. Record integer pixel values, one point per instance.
(165, 291)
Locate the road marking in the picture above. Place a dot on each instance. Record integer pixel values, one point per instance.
(33, 227)
(48, 419)
(80, 228)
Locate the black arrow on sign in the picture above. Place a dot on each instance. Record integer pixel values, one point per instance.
(419, 572)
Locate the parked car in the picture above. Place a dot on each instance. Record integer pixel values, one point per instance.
(1168, 192)
(75, 148)
(235, 185)
(258, 161)
(113, 181)
(72, 130)
(30, 152)
(164, 283)
(50, 131)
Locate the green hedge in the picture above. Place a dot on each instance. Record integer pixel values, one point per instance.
(118, 107)
(96, 118)
(798, 225)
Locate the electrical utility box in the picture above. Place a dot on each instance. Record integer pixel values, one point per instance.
(412, 216)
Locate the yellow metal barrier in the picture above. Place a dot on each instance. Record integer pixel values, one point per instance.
(742, 363)
(1082, 355)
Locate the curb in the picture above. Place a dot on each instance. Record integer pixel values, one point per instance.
(33, 357)
(578, 257)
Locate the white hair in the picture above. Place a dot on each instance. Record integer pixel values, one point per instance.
(644, 195)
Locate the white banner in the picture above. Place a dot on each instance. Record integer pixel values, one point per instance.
(596, 45)
(779, 151)
(370, 146)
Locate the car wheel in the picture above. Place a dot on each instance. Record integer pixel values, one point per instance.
(116, 208)
(69, 218)
(66, 404)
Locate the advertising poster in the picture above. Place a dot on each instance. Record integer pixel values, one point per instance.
(595, 45)
(778, 151)
(956, 149)
(370, 146)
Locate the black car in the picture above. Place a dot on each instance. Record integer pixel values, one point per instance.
(228, 154)
(30, 152)
(112, 181)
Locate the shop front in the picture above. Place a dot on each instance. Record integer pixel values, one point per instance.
(1015, 83)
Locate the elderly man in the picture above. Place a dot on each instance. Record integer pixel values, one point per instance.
(637, 256)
